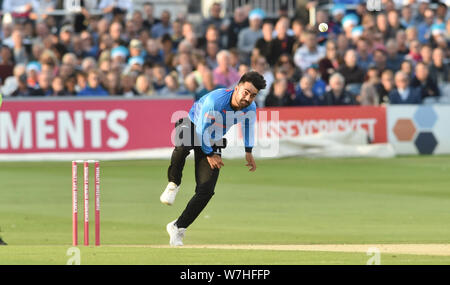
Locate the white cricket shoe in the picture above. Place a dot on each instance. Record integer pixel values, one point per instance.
(168, 196)
(176, 234)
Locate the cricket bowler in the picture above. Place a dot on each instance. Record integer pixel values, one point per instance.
(208, 121)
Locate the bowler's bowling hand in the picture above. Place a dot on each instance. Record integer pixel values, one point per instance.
(215, 161)
(250, 161)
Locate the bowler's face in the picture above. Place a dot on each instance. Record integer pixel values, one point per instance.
(246, 93)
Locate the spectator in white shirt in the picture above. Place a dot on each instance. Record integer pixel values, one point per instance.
(310, 53)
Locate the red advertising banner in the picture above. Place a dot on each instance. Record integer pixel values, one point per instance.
(114, 125)
(87, 125)
(301, 121)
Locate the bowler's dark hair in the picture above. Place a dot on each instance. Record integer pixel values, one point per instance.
(254, 78)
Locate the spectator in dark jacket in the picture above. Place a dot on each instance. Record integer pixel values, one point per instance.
(304, 93)
(278, 95)
(337, 95)
(282, 43)
(404, 93)
(264, 44)
(93, 87)
(350, 71)
(422, 80)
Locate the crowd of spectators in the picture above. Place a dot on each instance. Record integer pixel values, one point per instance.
(395, 56)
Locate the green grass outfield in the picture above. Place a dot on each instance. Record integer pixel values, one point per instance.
(291, 201)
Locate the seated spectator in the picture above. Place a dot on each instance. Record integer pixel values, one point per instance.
(404, 93)
(439, 70)
(364, 57)
(394, 59)
(58, 87)
(248, 36)
(350, 71)
(22, 87)
(384, 87)
(286, 62)
(319, 86)
(304, 95)
(127, 82)
(424, 82)
(112, 83)
(259, 64)
(136, 48)
(163, 27)
(45, 87)
(172, 87)
(368, 95)
(414, 52)
(93, 87)
(394, 24)
(338, 95)
(400, 40)
(380, 58)
(243, 68)
(426, 54)
(208, 85)
(159, 73)
(88, 46)
(143, 86)
(331, 62)
(309, 53)
(224, 74)
(154, 52)
(6, 62)
(407, 68)
(278, 95)
(424, 27)
(70, 85)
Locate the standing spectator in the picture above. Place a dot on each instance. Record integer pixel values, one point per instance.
(298, 29)
(310, 53)
(263, 45)
(237, 24)
(350, 70)
(403, 93)
(214, 19)
(282, 43)
(337, 94)
(224, 74)
(383, 26)
(248, 36)
(150, 20)
(93, 87)
(331, 62)
(304, 95)
(163, 27)
(19, 52)
(424, 82)
(278, 95)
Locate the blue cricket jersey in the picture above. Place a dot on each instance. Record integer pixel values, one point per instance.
(213, 116)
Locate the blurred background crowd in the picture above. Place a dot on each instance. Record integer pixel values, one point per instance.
(399, 55)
